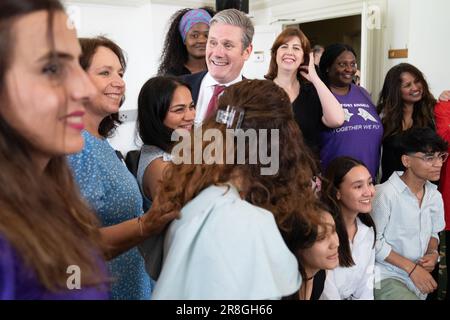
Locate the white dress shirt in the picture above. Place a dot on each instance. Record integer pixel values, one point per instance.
(205, 95)
(356, 282)
(403, 226)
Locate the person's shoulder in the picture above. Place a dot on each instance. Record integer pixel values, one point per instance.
(151, 151)
(90, 145)
(88, 151)
(248, 208)
(307, 86)
(364, 229)
(442, 107)
(359, 88)
(226, 202)
(392, 183)
(190, 78)
(89, 139)
(433, 189)
(309, 95)
(386, 192)
(382, 187)
(177, 71)
(362, 90)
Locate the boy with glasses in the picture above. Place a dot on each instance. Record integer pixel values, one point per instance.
(408, 213)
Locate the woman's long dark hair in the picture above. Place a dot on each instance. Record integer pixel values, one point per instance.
(153, 104)
(334, 175)
(390, 104)
(42, 215)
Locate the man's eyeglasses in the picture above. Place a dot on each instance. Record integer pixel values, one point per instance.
(431, 158)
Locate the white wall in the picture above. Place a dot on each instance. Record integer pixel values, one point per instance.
(422, 27)
(429, 45)
(397, 29)
(262, 42)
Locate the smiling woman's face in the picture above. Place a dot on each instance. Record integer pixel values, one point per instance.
(106, 73)
(323, 254)
(411, 88)
(181, 113)
(356, 192)
(343, 69)
(45, 87)
(196, 39)
(290, 54)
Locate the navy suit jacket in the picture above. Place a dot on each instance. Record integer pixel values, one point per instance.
(194, 81)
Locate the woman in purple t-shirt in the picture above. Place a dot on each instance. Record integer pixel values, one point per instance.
(360, 135)
(50, 247)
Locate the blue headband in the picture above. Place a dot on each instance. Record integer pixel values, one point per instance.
(190, 18)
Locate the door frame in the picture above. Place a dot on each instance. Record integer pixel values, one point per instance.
(303, 11)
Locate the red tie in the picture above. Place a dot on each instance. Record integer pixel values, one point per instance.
(212, 105)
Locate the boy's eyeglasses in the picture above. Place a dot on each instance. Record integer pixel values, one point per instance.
(431, 159)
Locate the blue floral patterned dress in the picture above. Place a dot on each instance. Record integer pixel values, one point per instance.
(113, 193)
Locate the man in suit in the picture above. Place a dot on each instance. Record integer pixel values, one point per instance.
(229, 46)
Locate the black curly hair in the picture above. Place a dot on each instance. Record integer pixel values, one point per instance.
(174, 54)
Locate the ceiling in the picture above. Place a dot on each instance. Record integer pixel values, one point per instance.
(254, 4)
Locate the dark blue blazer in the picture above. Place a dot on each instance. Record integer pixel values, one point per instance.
(194, 81)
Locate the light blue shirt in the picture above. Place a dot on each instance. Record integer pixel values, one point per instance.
(403, 226)
(222, 247)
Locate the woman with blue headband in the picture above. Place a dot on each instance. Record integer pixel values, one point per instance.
(185, 43)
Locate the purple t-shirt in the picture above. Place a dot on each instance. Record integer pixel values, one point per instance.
(360, 135)
(18, 282)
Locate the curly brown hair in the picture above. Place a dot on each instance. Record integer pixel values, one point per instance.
(286, 194)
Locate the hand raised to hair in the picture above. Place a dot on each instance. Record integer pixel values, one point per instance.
(309, 72)
(423, 280)
(155, 220)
